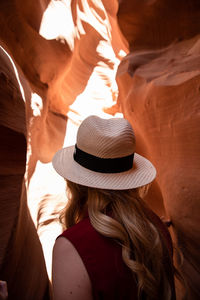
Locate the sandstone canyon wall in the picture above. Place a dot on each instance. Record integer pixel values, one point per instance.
(21, 258)
(70, 71)
(67, 54)
(159, 92)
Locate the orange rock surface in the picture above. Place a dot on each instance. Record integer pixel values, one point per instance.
(59, 60)
(159, 93)
(21, 258)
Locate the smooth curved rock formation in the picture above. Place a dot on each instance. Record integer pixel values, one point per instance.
(159, 93)
(21, 259)
(62, 71)
(68, 73)
(71, 76)
(153, 24)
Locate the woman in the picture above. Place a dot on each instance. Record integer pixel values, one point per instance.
(114, 247)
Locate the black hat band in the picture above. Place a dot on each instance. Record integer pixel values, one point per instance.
(103, 165)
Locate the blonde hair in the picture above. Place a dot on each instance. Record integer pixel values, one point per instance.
(123, 216)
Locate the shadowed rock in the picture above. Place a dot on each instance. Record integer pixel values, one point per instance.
(159, 94)
(21, 259)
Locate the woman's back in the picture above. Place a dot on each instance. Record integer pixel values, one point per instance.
(102, 258)
(110, 278)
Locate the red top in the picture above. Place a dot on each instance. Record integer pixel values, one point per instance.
(111, 279)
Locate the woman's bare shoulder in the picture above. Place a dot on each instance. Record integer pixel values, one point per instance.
(70, 279)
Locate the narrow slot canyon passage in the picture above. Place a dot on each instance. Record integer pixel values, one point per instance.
(62, 61)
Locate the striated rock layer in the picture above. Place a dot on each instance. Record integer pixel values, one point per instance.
(21, 256)
(69, 53)
(159, 90)
(71, 69)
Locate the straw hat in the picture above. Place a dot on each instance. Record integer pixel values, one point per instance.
(104, 156)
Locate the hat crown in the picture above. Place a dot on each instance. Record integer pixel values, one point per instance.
(106, 138)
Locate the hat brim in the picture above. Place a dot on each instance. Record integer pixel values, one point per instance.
(142, 172)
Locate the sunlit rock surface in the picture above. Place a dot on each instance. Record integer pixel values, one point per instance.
(159, 93)
(22, 262)
(71, 71)
(69, 53)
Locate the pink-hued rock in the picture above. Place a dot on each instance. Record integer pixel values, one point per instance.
(71, 72)
(152, 24)
(73, 62)
(22, 263)
(41, 61)
(159, 93)
(69, 53)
